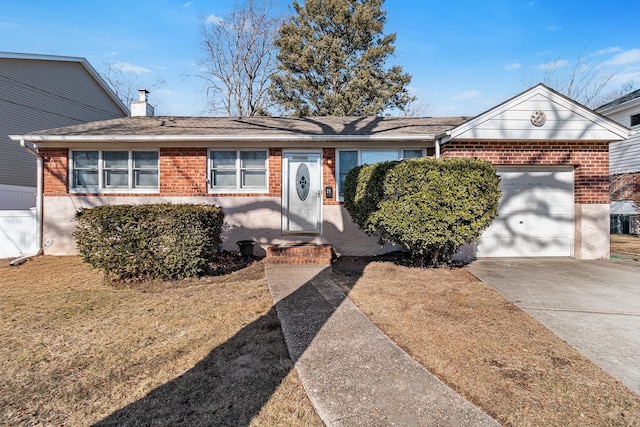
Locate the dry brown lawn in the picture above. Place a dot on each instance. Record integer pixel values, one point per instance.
(75, 351)
(626, 244)
(484, 347)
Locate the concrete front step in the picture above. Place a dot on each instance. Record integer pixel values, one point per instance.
(300, 254)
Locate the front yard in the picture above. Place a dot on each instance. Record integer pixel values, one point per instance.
(76, 351)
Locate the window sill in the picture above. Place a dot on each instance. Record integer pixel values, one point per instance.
(114, 191)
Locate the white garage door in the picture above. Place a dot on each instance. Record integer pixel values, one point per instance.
(535, 217)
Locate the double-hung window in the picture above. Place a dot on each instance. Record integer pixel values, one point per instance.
(348, 159)
(237, 170)
(114, 171)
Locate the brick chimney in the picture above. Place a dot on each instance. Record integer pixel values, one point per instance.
(141, 107)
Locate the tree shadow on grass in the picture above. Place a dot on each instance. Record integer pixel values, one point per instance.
(228, 387)
(235, 380)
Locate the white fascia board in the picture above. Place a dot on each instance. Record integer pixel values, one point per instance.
(171, 138)
(40, 57)
(542, 90)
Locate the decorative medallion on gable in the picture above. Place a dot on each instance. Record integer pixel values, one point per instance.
(538, 118)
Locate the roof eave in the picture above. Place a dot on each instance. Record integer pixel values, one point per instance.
(218, 138)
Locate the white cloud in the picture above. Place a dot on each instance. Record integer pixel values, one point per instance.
(553, 28)
(126, 67)
(215, 20)
(532, 3)
(607, 50)
(187, 4)
(553, 65)
(512, 66)
(468, 94)
(631, 56)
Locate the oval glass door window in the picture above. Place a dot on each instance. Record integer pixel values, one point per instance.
(302, 182)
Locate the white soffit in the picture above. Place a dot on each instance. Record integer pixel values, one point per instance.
(563, 119)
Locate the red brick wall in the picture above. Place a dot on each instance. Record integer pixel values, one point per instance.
(275, 172)
(625, 187)
(183, 172)
(590, 159)
(56, 171)
(329, 175)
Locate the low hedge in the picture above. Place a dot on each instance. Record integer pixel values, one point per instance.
(155, 241)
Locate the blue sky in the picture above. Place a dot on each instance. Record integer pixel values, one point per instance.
(464, 56)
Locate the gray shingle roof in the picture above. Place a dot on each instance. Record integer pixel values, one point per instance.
(262, 126)
(628, 97)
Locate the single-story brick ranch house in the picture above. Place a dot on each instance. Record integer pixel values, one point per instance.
(280, 179)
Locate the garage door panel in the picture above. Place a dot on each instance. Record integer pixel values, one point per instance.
(535, 214)
(529, 225)
(541, 203)
(537, 179)
(509, 246)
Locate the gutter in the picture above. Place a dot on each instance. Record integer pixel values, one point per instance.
(39, 197)
(217, 138)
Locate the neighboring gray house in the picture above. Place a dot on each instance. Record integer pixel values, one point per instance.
(624, 163)
(42, 92)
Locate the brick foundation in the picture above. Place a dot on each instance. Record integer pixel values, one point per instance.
(300, 254)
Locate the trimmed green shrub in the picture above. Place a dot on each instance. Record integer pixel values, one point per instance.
(430, 207)
(363, 191)
(156, 241)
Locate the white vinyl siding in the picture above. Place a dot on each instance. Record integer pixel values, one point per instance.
(237, 171)
(112, 171)
(348, 159)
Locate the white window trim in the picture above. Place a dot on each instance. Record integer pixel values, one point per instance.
(238, 189)
(100, 189)
(400, 151)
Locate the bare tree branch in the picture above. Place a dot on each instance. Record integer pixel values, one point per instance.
(583, 80)
(239, 57)
(125, 84)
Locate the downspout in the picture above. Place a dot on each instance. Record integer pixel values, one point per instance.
(446, 136)
(39, 198)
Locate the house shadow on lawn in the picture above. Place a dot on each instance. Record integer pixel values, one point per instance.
(234, 381)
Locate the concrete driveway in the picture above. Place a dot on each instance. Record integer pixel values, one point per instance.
(592, 305)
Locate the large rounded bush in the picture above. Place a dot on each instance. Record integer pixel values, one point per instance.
(430, 207)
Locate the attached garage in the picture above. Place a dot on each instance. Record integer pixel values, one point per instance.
(553, 157)
(535, 214)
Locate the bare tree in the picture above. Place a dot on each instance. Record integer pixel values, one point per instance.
(614, 94)
(239, 57)
(583, 81)
(415, 108)
(125, 81)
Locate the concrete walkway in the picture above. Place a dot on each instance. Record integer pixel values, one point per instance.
(593, 305)
(353, 374)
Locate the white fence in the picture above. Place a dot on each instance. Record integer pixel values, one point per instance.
(13, 197)
(17, 233)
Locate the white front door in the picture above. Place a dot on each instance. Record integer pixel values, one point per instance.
(301, 193)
